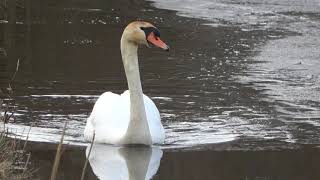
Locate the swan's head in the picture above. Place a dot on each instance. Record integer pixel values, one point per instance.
(144, 33)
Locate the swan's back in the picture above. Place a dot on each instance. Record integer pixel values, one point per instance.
(111, 115)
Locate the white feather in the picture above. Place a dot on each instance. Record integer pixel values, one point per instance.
(111, 115)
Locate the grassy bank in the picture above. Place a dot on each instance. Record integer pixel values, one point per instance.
(14, 160)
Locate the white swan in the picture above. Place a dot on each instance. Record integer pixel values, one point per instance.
(132, 117)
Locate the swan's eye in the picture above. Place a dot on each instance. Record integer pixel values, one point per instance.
(148, 30)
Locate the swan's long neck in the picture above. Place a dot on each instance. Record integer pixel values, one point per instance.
(138, 130)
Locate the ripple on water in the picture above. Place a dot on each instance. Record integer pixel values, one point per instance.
(182, 134)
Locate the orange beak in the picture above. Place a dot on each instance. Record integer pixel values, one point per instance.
(157, 42)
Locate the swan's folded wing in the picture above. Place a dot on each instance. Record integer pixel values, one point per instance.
(109, 118)
(154, 121)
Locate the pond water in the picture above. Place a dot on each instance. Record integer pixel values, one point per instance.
(108, 162)
(241, 75)
(250, 74)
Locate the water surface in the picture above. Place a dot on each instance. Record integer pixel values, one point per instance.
(109, 162)
(238, 93)
(237, 70)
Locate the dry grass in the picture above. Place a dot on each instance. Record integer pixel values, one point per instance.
(55, 167)
(87, 160)
(13, 160)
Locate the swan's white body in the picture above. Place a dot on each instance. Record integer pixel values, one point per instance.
(132, 117)
(111, 115)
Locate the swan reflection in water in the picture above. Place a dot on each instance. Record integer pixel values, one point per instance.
(124, 163)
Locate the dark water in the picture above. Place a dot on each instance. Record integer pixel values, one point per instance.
(241, 76)
(138, 162)
(224, 79)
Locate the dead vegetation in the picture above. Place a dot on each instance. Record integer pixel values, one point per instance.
(14, 160)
